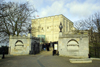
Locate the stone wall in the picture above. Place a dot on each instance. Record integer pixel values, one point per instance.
(19, 45)
(23, 45)
(73, 45)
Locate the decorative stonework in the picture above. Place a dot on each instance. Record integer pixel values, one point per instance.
(74, 45)
(21, 45)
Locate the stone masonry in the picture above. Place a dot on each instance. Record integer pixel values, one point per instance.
(74, 45)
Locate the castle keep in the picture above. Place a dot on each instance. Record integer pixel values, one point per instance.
(49, 27)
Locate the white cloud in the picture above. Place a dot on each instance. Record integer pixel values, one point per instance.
(56, 8)
(83, 9)
(36, 3)
(73, 9)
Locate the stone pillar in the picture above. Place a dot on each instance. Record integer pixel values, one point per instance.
(59, 41)
(60, 34)
(29, 40)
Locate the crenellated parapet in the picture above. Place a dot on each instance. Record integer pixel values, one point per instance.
(48, 17)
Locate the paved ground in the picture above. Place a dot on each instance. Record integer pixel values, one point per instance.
(44, 59)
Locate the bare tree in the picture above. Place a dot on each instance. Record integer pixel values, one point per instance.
(15, 18)
(92, 24)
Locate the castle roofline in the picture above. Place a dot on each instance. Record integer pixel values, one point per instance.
(48, 16)
(53, 16)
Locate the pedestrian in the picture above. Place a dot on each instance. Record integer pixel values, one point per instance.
(3, 54)
(53, 45)
(44, 46)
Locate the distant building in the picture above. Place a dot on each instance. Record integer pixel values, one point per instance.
(48, 27)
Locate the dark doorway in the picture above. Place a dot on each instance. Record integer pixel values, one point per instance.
(34, 48)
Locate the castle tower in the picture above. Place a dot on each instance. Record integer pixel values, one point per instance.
(48, 27)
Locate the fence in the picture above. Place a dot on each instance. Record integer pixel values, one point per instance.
(35, 46)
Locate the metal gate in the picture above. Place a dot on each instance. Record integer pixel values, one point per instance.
(35, 47)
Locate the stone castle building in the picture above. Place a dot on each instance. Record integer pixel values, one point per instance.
(48, 27)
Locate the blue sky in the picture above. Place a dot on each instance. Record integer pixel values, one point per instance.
(73, 9)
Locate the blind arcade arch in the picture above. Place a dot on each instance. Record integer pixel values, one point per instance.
(72, 45)
(19, 44)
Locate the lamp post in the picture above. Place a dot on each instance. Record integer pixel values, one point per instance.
(29, 28)
(30, 40)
